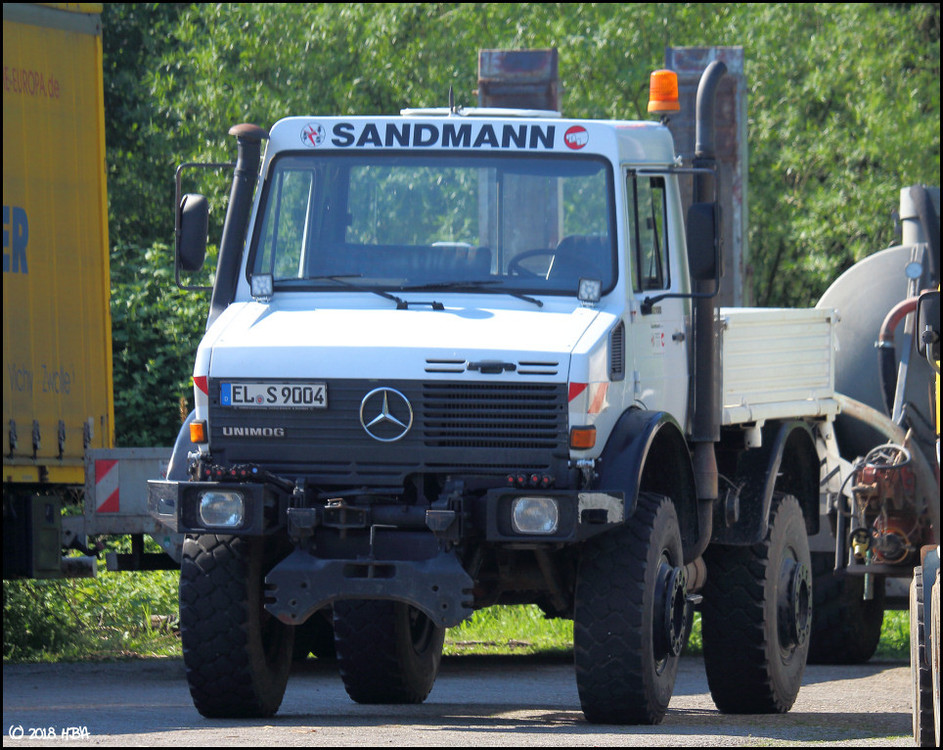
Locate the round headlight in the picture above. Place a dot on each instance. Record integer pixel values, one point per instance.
(222, 509)
(534, 515)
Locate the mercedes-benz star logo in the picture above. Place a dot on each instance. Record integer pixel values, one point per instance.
(386, 414)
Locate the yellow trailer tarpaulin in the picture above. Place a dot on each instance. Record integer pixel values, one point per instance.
(57, 397)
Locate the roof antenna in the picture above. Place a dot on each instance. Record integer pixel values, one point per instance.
(451, 101)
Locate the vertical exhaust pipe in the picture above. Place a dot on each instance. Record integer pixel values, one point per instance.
(705, 421)
(249, 142)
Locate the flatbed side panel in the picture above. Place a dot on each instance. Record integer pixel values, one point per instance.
(777, 363)
(57, 367)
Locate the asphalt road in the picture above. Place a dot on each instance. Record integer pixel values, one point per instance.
(477, 701)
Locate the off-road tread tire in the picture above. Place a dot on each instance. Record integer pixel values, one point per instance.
(379, 660)
(934, 625)
(745, 672)
(616, 675)
(237, 656)
(846, 628)
(921, 679)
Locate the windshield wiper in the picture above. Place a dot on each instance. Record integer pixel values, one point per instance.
(466, 285)
(401, 304)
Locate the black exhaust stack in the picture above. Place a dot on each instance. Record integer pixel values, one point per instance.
(249, 139)
(706, 419)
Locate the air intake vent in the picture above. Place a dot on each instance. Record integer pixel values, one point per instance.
(537, 368)
(454, 366)
(617, 352)
(445, 365)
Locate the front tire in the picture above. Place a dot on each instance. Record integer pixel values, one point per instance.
(757, 616)
(387, 651)
(237, 655)
(629, 617)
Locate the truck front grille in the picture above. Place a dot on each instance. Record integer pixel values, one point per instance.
(477, 428)
(493, 416)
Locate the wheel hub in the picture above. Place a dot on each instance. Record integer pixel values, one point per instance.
(795, 604)
(669, 607)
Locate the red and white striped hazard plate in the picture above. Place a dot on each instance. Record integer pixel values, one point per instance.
(106, 486)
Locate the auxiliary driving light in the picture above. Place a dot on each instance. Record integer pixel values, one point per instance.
(222, 509)
(534, 515)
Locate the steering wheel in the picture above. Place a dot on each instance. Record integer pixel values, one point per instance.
(515, 267)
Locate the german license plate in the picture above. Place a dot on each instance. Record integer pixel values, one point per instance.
(274, 395)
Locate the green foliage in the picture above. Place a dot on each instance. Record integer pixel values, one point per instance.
(110, 616)
(140, 156)
(155, 330)
(844, 112)
(895, 636)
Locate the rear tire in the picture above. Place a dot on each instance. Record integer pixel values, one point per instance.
(846, 627)
(387, 651)
(315, 637)
(630, 617)
(237, 655)
(757, 616)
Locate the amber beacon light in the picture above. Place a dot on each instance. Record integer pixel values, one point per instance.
(663, 92)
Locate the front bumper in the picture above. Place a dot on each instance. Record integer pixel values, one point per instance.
(582, 514)
(385, 551)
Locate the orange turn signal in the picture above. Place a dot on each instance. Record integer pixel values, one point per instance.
(582, 438)
(197, 432)
(663, 92)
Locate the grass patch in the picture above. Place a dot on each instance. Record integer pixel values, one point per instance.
(524, 630)
(124, 615)
(895, 636)
(111, 616)
(510, 630)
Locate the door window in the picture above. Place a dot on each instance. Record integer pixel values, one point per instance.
(648, 238)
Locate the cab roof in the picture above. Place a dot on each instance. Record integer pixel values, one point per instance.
(490, 131)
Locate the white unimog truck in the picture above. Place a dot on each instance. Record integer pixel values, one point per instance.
(459, 358)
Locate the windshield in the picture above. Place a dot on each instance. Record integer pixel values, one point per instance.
(519, 225)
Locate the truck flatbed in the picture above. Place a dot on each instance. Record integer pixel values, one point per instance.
(777, 364)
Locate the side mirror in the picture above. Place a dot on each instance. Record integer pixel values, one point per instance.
(927, 333)
(703, 247)
(193, 215)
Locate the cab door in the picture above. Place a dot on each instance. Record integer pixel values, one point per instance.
(658, 327)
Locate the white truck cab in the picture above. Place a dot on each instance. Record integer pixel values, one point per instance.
(480, 246)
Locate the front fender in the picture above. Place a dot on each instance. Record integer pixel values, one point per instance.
(178, 469)
(647, 452)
